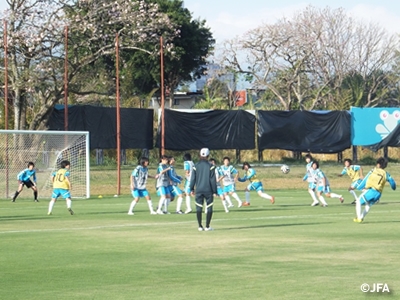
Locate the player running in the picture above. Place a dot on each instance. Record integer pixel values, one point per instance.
(323, 186)
(230, 176)
(356, 175)
(254, 185)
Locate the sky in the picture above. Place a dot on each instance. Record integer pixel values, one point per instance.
(228, 19)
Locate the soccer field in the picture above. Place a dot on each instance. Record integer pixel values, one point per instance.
(288, 250)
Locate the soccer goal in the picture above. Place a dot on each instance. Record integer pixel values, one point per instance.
(46, 149)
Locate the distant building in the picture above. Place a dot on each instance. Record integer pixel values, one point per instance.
(182, 100)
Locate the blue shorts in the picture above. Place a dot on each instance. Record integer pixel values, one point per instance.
(229, 189)
(356, 184)
(370, 196)
(162, 191)
(174, 190)
(255, 186)
(139, 193)
(220, 191)
(312, 185)
(325, 190)
(61, 192)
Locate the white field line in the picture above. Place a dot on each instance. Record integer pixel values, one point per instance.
(188, 222)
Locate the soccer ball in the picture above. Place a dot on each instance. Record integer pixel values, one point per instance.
(285, 169)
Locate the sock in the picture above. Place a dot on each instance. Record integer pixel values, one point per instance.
(234, 195)
(35, 194)
(133, 203)
(161, 203)
(366, 210)
(247, 195)
(179, 203)
(358, 209)
(209, 216)
(312, 193)
(225, 205)
(15, 195)
(354, 194)
(150, 204)
(199, 211)
(51, 205)
(333, 195)
(322, 200)
(228, 199)
(265, 196)
(69, 203)
(188, 207)
(166, 204)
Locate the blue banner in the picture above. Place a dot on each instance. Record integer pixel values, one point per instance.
(371, 125)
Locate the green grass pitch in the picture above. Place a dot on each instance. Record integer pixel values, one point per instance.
(288, 250)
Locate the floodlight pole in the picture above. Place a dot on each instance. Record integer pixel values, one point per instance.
(6, 97)
(118, 117)
(5, 77)
(162, 96)
(66, 80)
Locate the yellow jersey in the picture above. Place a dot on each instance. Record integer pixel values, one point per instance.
(376, 179)
(59, 179)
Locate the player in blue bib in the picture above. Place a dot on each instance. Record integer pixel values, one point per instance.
(138, 185)
(309, 177)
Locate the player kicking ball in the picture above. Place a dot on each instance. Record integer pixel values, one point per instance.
(373, 185)
(255, 184)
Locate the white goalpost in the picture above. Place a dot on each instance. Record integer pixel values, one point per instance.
(46, 149)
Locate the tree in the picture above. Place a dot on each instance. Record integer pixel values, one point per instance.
(304, 60)
(186, 62)
(36, 45)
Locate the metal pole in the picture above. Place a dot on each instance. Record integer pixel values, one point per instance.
(6, 99)
(66, 80)
(162, 96)
(118, 119)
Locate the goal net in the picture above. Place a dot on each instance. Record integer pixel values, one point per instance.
(46, 149)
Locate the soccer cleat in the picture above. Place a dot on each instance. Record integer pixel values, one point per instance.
(227, 211)
(12, 200)
(49, 213)
(324, 205)
(315, 204)
(246, 203)
(272, 200)
(130, 213)
(188, 211)
(354, 202)
(36, 200)
(341, 199)
(179, 212)
(231, 205)
(356, 220)
(71, 211)
(209, 229)
(153, 212)
(200, 229)
(240, 203)
(159, 212)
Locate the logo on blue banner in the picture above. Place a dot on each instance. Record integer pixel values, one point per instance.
(372, 125)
